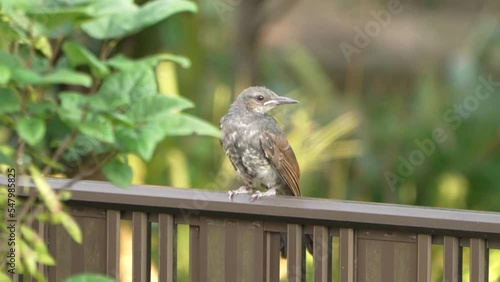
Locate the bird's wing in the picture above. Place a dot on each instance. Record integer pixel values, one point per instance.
(279, 152)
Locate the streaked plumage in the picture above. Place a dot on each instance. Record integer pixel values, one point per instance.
(259, 150)
(256, 146)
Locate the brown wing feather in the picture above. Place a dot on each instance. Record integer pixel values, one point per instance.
(279, 152)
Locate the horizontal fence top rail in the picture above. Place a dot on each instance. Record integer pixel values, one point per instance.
(305, 210)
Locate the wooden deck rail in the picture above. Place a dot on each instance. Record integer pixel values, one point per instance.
(239, 241)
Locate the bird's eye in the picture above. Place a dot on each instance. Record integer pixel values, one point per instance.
(260, 98)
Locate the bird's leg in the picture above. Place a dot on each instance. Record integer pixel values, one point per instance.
(242, 190)
(257, 195)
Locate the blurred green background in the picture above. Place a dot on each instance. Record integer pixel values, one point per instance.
(365, 123)
(394, 104)
(399, 100)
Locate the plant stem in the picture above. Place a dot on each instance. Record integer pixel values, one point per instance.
(60, 150)
(64, 145)
(106, 48)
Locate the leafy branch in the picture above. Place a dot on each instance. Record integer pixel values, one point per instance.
(73, 111)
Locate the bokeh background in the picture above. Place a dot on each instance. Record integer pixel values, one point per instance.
(375, 81)
(399, 99)
(395, 103)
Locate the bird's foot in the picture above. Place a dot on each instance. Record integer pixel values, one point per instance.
(258, 194)
(242, 190)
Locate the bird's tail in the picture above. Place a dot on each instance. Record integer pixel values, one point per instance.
(307, 239)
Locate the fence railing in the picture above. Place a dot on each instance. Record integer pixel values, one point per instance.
(240, 241)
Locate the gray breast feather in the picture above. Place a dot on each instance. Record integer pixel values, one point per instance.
(241, 144)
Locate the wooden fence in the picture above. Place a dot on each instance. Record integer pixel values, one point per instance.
(240, 241)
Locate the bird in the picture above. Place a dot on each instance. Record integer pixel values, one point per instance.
(259, 150)
(257, 147)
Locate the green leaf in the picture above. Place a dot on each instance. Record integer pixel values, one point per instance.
(41, 252)
(155, 11)
(43, 45)
(51, 17)
(120, 174)
(31, 130)
(100, 102)
(103, 8)
(28, 256)
(97, 124)
(134, 19)
(66, 3)
(98, 127)
(10, 32)
(118, 118)
(72, 106)
(111, 26)
(83, 146)
(47, 195)
(123, 63)
(156, 107)
(4, 277)
(126, 87)
(4, 74)
(70, 225)
(28, 234)
(10, 61)
(10, 102)
(67, 77)
(44, 257)
(141, 141)
(4, 159)
(88, 278)
(79, 55)
(41, 109)
(3, 197)
(23, 76)
(183, 124)
(62, 76)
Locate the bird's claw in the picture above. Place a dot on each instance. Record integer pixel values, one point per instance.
(242, 190)
(255, 196)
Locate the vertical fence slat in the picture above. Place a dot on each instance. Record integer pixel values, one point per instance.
(203, 258)
(231, 252)
(194, 253)
(42, 232)
(166, 248)
(424, 251)
(53, 242)
(346, 253)
(272, 261)
(113, 244)
(76, 257)
(322, 254)
(259, 251)
(140, 247)
(296, 260)
(478, 260)
(452, 259)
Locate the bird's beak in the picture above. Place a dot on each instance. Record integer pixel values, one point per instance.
(280, 100)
